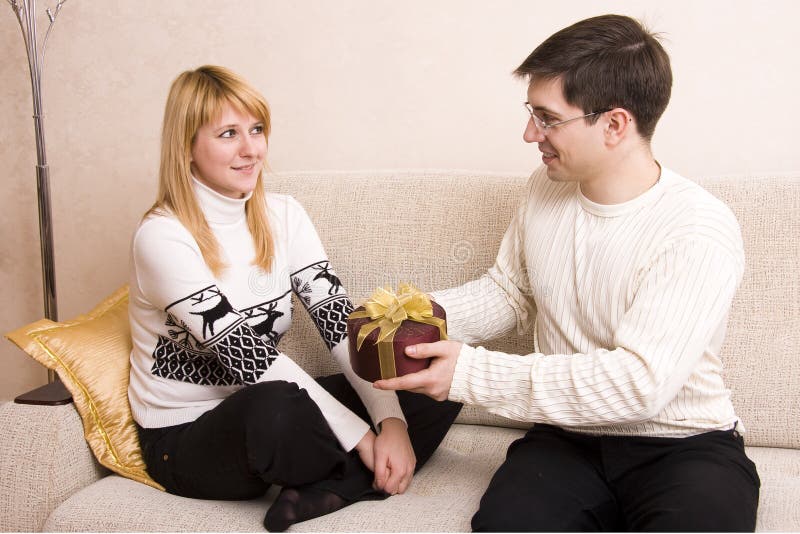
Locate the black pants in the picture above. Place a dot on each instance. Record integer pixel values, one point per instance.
(554, 480)
(273, 433)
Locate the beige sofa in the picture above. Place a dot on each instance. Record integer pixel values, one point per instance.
(436, 229)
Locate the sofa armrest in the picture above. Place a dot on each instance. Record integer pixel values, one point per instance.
(44, 459)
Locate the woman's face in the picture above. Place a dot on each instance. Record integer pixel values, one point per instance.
(227, 154)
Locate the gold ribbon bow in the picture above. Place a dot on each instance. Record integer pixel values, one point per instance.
(388, 310)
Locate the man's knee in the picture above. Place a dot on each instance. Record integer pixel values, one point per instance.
(513, 509)
(502, 517)
(501, 512)
(732, 508)
(494, 518)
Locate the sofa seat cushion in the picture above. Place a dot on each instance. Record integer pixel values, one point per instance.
(442, 497)
(779, 471)
(116, 504)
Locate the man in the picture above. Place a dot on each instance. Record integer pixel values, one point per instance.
(629, 270)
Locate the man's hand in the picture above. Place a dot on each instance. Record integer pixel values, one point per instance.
(434, 381)
(394, 457)
(366, 450)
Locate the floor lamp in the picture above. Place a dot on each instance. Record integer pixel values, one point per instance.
(25, 10)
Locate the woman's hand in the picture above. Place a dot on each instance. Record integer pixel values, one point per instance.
(394, 457)
(366, 450)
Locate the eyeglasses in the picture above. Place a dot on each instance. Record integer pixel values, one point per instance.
(544, 126)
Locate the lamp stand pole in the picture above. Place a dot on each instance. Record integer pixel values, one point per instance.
(25, 10)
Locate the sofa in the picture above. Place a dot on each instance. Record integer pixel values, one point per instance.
(436, 229)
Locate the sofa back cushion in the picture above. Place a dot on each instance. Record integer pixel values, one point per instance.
(761, 353)
(441, 229)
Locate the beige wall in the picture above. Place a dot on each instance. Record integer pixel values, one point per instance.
(354, 84)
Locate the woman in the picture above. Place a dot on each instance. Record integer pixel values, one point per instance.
(221, 412)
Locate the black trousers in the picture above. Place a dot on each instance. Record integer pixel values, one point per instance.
(273, 433)
(555, 480)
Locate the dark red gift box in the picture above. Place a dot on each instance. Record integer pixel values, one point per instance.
(366, 362)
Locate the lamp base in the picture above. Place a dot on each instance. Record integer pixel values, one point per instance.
(53, 394)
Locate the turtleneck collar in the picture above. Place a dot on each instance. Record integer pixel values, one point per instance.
(217, 208)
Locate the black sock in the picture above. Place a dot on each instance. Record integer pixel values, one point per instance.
(294, 505)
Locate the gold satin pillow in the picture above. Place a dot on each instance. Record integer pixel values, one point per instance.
(91, 355)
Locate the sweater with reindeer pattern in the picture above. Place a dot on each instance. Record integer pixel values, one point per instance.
(197, 337)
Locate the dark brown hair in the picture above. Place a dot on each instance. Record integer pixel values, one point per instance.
(606, 62)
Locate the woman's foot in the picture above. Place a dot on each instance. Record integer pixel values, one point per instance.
(294, 505)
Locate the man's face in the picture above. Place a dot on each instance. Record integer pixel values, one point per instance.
(572, 151)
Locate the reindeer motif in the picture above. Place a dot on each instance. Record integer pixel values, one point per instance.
(329, 276)
(215, 313)
(265, 327)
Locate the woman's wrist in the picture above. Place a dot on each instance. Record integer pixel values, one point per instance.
(366, 450)
(392, 422)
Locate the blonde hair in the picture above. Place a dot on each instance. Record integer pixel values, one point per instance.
(197, 97)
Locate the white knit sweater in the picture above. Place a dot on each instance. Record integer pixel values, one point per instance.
(198, 338)
(630, 304)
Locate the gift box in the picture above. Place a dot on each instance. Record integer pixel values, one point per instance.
(380, 330)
